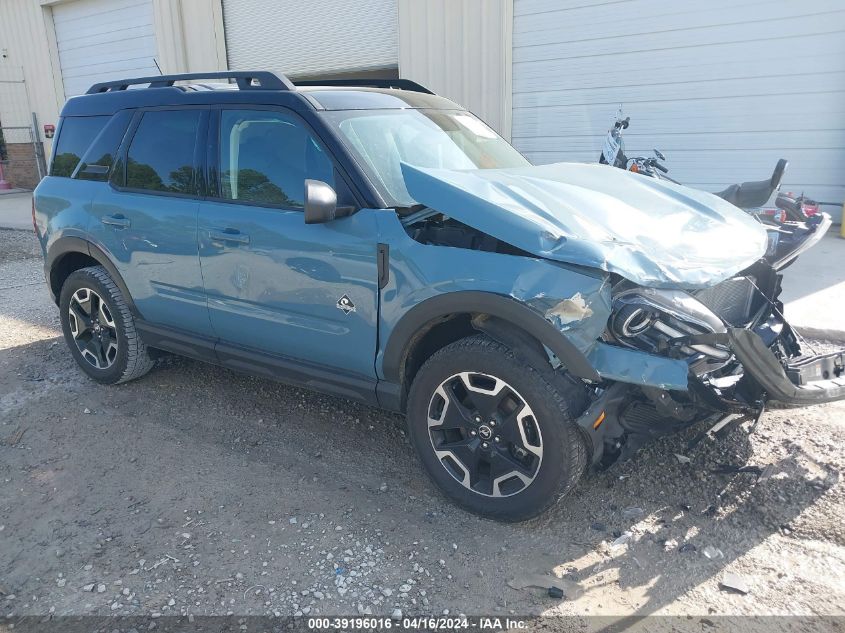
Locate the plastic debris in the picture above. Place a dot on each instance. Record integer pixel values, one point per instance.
(682, 459)
(555, 592)
(687, 547)
(545, 582)
(712, 552)
(734, 582)
(622, 540)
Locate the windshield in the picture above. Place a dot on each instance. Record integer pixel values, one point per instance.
(450, 139)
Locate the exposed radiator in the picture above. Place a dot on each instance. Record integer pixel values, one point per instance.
(732, 299)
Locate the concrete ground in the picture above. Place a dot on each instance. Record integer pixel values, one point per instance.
(814, 289)
(16, 210)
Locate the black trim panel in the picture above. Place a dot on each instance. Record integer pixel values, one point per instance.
(764, 367)
(298, 373)
(287, 370)
(67, 245)
(176, 341)
(383, 262)
(422, 316)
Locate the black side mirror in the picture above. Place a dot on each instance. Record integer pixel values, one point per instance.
(659, 154)
(321, 203)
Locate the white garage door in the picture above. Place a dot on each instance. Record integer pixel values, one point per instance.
(303, 38)
(100, 40)
(724, 88)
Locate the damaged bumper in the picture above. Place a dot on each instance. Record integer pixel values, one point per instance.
(802, 381)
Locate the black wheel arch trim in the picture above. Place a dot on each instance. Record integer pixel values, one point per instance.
(423, 316)
(67, 245)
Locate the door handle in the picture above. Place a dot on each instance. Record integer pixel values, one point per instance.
(228, 235)
(115, 220)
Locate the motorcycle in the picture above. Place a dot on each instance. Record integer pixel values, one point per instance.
(793, 225)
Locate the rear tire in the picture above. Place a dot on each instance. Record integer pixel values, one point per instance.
(497, 436)
(99, 328)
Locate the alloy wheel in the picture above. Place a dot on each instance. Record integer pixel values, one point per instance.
(93, 329)
(485, 434)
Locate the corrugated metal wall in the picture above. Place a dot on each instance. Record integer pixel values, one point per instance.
(24, 38)
(302, 38)
(461, 49)
(99, 40)
(724, 88)
(189, 36)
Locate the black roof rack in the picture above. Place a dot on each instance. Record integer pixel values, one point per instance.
(401, 84)
(266, 81)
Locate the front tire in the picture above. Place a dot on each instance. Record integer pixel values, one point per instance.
(99, 328)
(496, 435)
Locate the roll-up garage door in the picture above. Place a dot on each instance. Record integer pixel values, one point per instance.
(100, 40)
(723, 88)
(305, 39)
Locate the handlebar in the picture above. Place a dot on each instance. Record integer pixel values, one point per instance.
(660, 167)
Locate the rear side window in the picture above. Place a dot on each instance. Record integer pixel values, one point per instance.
(161, 154)
(97, 161)
(75, 136)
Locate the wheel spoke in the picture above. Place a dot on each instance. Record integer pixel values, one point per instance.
(105, 314)
(453, 414)
(485, 434)
(79, 321)
(465, 453)
(93, 328)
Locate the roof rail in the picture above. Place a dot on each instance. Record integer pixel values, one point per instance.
(266, 81)
(401, 84)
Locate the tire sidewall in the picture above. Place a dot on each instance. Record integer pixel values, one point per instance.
(554, 422)
(84, 278)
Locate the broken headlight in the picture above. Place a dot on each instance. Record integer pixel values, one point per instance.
(659, 321)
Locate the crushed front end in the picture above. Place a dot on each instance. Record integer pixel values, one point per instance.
(739, 351)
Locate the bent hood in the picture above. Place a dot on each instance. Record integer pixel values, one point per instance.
(652, 232)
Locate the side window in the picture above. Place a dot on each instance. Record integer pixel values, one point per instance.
(161, 154)
(75, 135)
(97, 161)
(265, 158)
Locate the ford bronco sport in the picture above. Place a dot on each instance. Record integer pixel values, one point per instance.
(376, 241)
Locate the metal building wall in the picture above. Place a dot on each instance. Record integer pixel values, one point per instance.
(189, 37)
(461, 49)
(26, 40)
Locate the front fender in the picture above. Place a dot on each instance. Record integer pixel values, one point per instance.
(564, 307)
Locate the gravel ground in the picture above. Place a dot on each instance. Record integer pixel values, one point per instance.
(199, 491)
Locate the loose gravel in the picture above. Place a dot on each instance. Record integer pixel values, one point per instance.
(198, 491)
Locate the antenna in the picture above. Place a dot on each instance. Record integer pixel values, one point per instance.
(155, 61)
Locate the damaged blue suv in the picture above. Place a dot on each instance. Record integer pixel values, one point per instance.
(378, 242)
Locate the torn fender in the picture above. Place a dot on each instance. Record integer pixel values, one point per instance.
(652, 232)
(427, 283)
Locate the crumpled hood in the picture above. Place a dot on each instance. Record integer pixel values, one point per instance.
(650, 231)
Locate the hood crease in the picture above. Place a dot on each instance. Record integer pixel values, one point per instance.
(652, 232)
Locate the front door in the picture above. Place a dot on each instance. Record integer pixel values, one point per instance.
(276, 286)
(147, 219)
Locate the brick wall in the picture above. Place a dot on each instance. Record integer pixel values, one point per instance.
(20, 167)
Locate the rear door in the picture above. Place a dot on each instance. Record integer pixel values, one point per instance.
(277, 286)
(147, 219)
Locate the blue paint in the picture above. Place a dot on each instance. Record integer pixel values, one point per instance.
(420, 271)
(279, 293)
(632, 366)
(652, 232)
